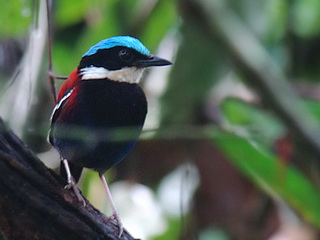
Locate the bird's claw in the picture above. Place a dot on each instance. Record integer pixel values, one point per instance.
(115, 217)
(72, 185)
(68, 186)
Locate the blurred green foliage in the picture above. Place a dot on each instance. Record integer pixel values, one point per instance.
(252, 122)
(15, 18)
(81, 25)
(190, 87)
(289, 31)
(264, 169)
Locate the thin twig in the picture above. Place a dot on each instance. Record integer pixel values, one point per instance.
(50, 75)
(54, 76)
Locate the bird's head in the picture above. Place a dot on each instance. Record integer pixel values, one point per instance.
(121, 58)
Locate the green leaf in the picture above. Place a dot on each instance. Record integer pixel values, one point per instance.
(199, 64)
(157, 26)
(277, 12)
(15, 17)
(262, 167)
(70, 12)
(306, 17)
(173, 230)
(251, 121)
(313, 106)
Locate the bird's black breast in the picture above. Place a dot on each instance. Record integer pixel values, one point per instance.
(100, 124)
(112, 104)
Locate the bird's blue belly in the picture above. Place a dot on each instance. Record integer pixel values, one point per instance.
(101, 123)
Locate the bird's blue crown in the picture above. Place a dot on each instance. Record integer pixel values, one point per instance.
(119, 41)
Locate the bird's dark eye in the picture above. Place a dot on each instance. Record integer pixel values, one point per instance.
(125, 55)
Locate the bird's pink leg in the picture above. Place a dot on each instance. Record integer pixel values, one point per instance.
(115, 215)
(72, 184)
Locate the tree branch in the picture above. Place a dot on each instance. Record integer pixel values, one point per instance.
(34, 203)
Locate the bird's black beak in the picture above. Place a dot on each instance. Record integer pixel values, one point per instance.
(151, 61)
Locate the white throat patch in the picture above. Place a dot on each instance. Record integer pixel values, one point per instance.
(129, 75)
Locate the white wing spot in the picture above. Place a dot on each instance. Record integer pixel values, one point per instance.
(58, 105)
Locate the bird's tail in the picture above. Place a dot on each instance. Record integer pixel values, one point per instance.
(75, 171)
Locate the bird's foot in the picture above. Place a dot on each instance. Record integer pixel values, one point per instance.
(115, 217)
(72, 185)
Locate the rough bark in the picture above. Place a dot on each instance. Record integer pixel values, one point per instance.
(34, 203)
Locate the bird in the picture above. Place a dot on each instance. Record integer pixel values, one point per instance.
(100, 110)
